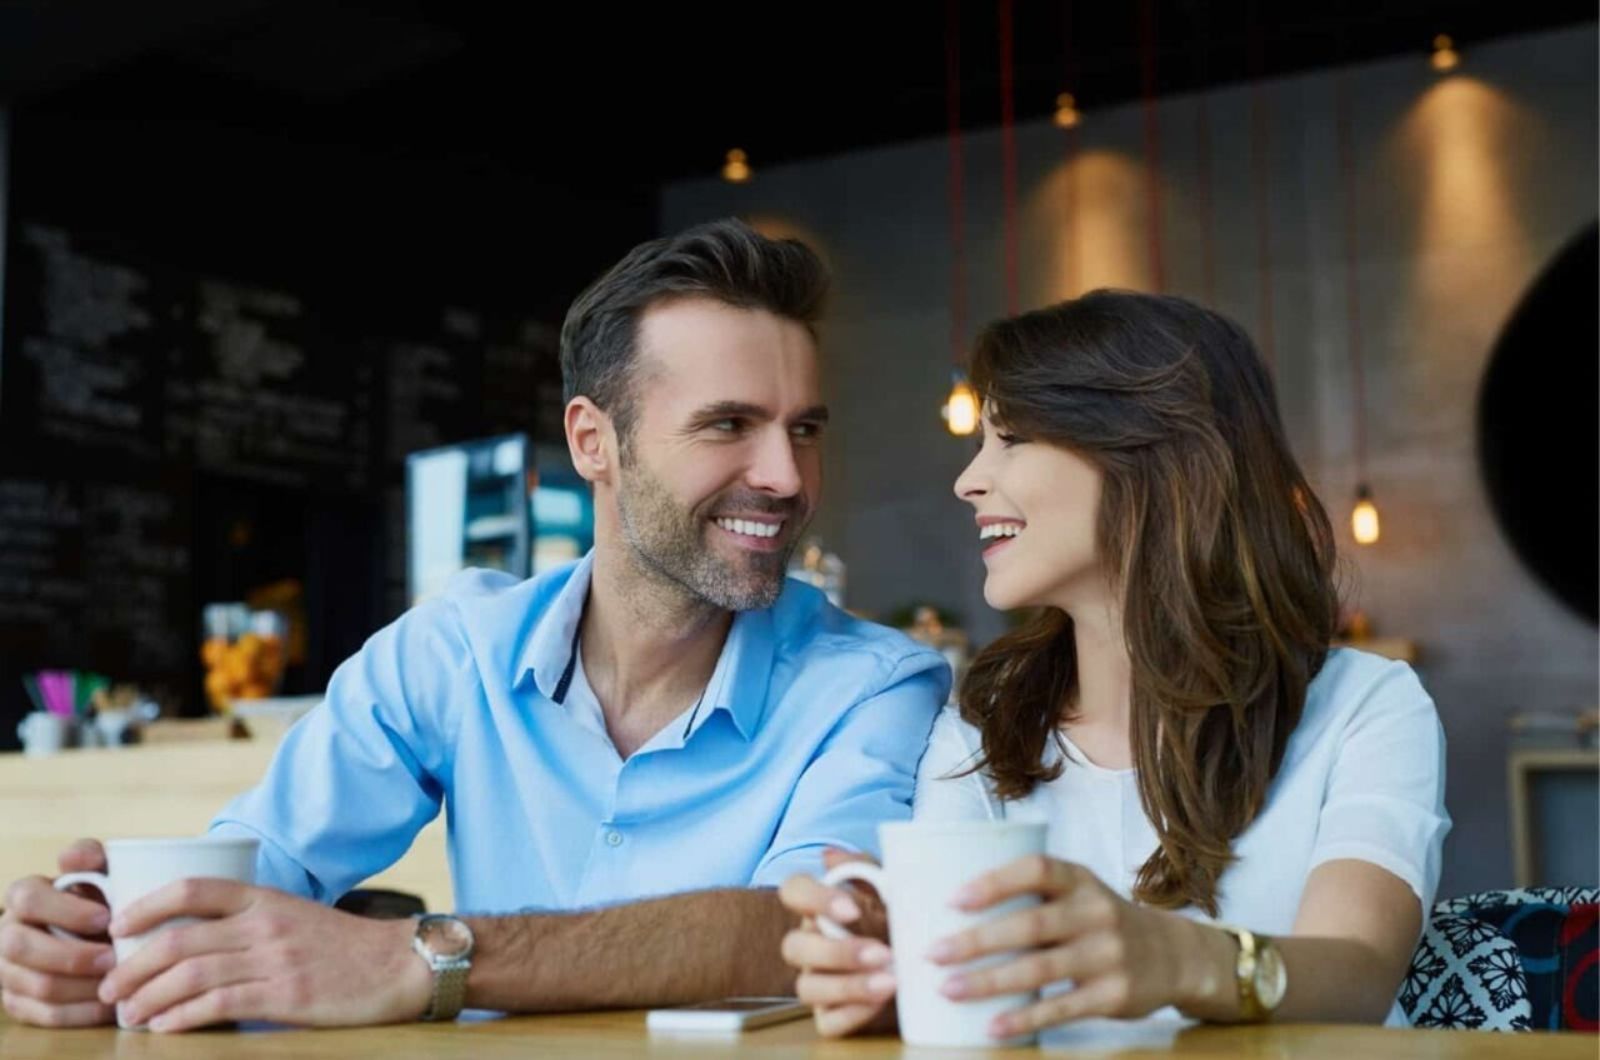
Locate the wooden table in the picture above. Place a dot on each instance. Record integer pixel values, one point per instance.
(623, 1034)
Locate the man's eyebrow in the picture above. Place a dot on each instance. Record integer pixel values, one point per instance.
(720, 410)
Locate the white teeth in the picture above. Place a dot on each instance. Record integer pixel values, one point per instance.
(750, 529)
(994, 530)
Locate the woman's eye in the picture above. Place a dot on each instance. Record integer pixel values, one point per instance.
(1007, 440)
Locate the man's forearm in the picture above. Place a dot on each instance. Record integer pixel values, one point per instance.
(663, 951)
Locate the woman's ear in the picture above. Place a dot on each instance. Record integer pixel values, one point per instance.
(591, 440)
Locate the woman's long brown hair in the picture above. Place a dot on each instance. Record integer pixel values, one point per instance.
(1224, 557)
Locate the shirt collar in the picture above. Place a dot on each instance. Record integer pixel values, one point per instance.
(549, 649)
(738, 684)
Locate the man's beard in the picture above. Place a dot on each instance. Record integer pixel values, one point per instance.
(670, 541)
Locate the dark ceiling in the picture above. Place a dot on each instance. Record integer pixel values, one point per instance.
(638, 93)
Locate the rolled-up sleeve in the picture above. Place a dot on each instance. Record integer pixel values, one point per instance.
(863, 774)
(357, 778)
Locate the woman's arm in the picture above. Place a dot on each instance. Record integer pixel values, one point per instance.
(1353, 937)
(1352, 941)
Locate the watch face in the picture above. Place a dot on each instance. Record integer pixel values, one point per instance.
(445, 936)
(1272, 978)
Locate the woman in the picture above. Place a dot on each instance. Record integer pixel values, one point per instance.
(1173, 710)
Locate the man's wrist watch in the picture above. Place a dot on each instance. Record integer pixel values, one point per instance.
(1260, 973)
(446, 943)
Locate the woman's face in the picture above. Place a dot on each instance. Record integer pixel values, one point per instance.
(1037, 506)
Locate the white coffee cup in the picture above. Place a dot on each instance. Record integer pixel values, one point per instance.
(924, 864)
(138, 867)
(43, 733)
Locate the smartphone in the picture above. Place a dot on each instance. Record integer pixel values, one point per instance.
(727, 1016)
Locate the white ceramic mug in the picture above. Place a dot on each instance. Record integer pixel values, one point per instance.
(137, 867)
(42, 733)
(924, 864)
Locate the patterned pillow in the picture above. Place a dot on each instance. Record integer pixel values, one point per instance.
(1466, 975)
(1508, 960)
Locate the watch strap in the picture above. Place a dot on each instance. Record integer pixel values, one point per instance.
(1244, 972)
(449, 989)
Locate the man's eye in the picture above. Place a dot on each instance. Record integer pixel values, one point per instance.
(806, 430)
(726, 426)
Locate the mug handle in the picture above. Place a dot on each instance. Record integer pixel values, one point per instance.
(867, 873)
(97, 880)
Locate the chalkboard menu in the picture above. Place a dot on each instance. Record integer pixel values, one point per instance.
(262, 391)
(88, 342)
(522, 375)
(96, 573)
(125, 381)
(433, 382)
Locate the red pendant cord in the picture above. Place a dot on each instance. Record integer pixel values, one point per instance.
(1008, 150)
(1202, 146)
(1347, 171)
(1260, 142)
(1152, 140)
(1074, 249)
(956, 184)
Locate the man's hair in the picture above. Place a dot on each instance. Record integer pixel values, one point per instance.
(726, 260)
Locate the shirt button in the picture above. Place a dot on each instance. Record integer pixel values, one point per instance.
(613, 839)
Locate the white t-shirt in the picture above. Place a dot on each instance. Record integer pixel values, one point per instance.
(1362, 777)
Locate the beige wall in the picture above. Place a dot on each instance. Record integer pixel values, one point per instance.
(1465, 186)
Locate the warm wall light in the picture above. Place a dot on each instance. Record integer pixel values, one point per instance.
(961, 408)
(737, 169)
(1364, 517)
(1067, 116)
(1445, 57)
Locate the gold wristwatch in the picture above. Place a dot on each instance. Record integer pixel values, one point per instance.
(1260, 972)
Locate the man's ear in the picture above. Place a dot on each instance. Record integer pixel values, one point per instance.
(591, 440)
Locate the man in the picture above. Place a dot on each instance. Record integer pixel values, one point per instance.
(633, 750)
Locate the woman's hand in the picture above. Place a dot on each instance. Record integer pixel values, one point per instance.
(847, 982)
(1124, 960)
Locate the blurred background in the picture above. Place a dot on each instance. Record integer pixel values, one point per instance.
(282, 283)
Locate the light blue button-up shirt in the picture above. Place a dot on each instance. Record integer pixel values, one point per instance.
(808, 735)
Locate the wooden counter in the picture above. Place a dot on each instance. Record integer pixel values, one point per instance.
(158, 790)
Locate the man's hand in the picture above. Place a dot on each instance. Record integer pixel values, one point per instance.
(261, 954)
(50, 981)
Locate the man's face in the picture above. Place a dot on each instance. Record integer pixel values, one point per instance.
(724, 468)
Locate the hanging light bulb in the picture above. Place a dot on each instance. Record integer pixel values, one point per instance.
(1067, 116)
(1364, 517)
(1445, 57)
(961, 408)
(737, 169)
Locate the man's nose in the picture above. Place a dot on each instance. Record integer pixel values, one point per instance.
(774, 469)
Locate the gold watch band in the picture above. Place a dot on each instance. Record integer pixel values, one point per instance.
(1251, 1009)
